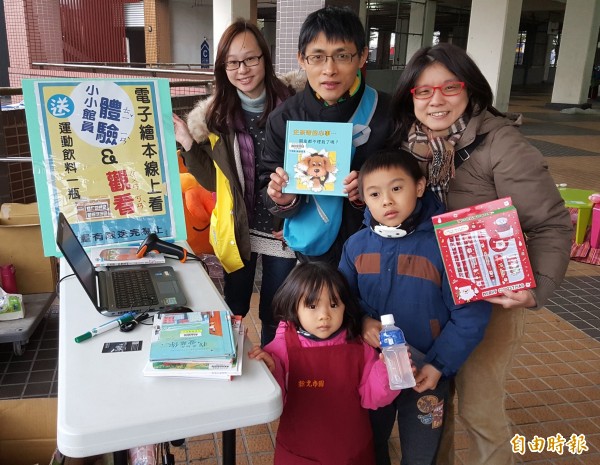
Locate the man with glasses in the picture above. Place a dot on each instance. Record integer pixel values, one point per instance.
(331, 50)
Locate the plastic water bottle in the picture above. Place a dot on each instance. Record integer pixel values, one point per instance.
(395, 353)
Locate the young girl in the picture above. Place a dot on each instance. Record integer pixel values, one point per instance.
(327, 374)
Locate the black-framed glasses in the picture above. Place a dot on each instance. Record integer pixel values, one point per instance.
(248, 63)
(449, 89)
(339, 58)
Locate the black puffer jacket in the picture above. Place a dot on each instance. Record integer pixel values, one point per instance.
(304, 106)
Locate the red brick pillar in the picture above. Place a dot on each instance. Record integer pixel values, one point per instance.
(33, 34)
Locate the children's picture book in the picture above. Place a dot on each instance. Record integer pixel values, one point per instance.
(192, 336)
(484, 250)
(204, 368)
(317, 157)
(106, 255)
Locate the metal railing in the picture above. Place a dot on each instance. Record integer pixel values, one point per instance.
(189, 66)
(15, 159)
(125, 67)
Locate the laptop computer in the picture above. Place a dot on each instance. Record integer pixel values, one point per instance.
(122, 289)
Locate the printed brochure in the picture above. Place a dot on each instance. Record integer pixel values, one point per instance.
(192, 336)
(204, 368)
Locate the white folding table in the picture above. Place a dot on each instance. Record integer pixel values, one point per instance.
(105, 404)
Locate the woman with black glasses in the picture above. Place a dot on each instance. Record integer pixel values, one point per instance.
(471, 154)
(223, 140)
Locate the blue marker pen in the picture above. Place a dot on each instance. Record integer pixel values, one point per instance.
(126, 318)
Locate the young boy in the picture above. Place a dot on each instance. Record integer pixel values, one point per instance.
(394, 266)
(332, 50)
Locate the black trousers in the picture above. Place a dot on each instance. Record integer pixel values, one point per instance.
(420, 418)
(240, 284)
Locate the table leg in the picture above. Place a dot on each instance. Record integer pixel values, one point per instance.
(228, 447)
(120, 457)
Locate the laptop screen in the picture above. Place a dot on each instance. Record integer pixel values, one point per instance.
(75, 254)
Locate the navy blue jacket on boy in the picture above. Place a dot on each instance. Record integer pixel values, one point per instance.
(405, 276)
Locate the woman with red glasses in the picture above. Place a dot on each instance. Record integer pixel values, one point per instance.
(471, 154)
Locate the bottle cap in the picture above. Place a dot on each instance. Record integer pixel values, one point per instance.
(387, 319)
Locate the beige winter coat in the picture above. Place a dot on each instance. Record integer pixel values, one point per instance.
(506, 164)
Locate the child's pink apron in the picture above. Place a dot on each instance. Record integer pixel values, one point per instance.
(322, 420)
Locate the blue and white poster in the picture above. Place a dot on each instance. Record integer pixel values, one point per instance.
(104, 155)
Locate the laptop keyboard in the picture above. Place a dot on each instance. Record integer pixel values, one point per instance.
(133, 288)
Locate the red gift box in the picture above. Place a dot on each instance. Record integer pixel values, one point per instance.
(484, 250)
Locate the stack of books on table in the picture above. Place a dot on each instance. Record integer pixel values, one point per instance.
(196, 345)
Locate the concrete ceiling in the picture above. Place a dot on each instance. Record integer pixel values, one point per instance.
(382, 13)
(450, 13)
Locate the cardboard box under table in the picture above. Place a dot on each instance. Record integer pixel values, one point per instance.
(21, 245)
(27, 431)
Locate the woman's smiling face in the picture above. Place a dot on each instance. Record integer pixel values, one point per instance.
(439, 111)
(248, 79)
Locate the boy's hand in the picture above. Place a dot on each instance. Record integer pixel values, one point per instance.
(279, 180)
(259, 354)
(427, 378)
(351, 186)
(370, 331)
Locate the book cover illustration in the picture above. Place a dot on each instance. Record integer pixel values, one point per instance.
(483, 249)
(239, 331)
(204, 368)
(192, 335)
(118, 256)
(317, 157)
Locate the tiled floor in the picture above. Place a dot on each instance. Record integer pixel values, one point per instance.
(33, 374)
(554, 385)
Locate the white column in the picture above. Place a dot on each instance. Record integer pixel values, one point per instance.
(429, 23)
(362, 11)
(576, 54)
(224, 12)
(401, 44)
(420, 28)
(493, 30)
